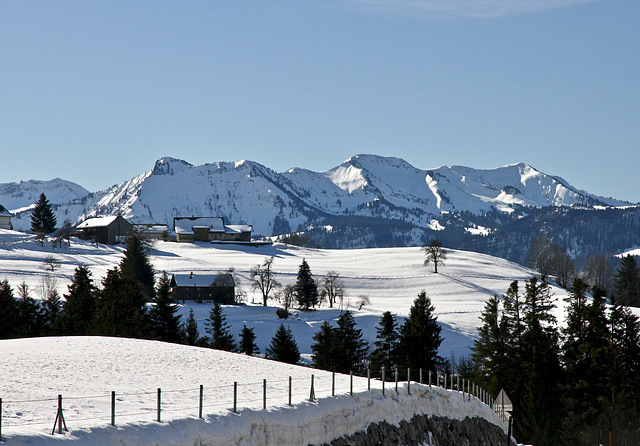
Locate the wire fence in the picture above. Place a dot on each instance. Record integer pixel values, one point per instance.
(55, 415)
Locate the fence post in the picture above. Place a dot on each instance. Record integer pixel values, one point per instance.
(312, 393)
(290, 380)
(201, 401)
(409, 381)
(421, 382)
(59, 418)
(445, 381)
(159, 404)
(264, 393)
(351, 382)
(429, 378)
(396, 371)
(0, 420)
(333, 383)
(458, 384)
(382, 380)
(235, 397)
(368, 378)
(113, 408)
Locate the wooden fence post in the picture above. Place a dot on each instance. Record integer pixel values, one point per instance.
(113, 408)
(382, 380)
(59, 418)
(0, 419)
(312, 393)
(201, 401)
(333, 383)
(264, 394)
(235, 397)
(368, 378)
(290, 385)
(396, 379)
(159, 404)
(409, 381)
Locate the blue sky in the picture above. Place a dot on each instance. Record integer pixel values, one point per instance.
(94, 92)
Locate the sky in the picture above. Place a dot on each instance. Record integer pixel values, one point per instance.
(96, 92)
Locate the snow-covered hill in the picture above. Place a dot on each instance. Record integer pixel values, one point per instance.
(15, 196)
(246, 192)
(85, 370)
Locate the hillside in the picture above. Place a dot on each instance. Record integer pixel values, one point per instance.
(85, 370)
(391, 277)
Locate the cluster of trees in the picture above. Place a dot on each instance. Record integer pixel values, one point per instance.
(569, 385)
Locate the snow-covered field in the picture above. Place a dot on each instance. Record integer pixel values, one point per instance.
(85, 370)
(391, 277)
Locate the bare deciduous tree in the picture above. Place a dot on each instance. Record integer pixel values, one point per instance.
(51, 261)
(435, 253)
(332, 287)
(263, 279)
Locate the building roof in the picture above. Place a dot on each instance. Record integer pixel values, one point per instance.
(202, 280)
(151, 228)
(185, 225)
(97, 222)
(4, 212)
(238, 229)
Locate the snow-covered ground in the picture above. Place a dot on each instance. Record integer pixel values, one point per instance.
(391, 277)
(85, 370)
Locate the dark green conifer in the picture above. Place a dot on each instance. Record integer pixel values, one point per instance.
(217, 327)
(627, 283)
(351, 350)
(164, 315)
(80, 304)
(306, 288)
(384, 353)
(247, 343)
(8, 311)
(43, 220)
(324, 355)
(283, 347)
(192, 335)
(137, 267)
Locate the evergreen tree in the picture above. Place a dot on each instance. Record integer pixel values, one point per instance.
(384, 353)
(30, 320)
(121, 308)
(351, 349)
(51, 310)
(217, 327)
(164, 315)
(586, 358)
(283, 347)
(625, 343)
(420, 336)
(324, 355)
(80, 304)
(306, 288)
(538, 413)
(247, 343)
(43, 220)
(8, 311)
(192, 335)
(137, 267)
(491, 350)
(627, 283)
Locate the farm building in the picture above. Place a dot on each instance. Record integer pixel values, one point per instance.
(209, 229)
(219, 288)
(105, 230)
(5, 218)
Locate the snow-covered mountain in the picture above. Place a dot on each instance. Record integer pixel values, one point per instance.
(245, 192)
(15, 196)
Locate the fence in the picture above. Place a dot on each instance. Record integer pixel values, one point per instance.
(18, 416)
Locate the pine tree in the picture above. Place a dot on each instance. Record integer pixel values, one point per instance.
(80, 304)
(121, 308)
(420, 336)
(351, 350)
(283, 347)
(8, 311)
(625, 343)
(324, 355)
(43, 220)
(585, 355)
(491, 350)
(217, 327)
(247, 343)
(137, 267)
(164, 315)
(192, 335)
(51, 310)
(627, 283)
(384, 353)
(306, 288)
(30, 320)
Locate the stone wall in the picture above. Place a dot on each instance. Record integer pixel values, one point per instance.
(428, 430)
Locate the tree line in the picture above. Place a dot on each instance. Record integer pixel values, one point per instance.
(568, 385)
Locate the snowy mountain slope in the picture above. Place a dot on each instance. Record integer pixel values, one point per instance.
(15, 196)
(276, 203)
(85, 370)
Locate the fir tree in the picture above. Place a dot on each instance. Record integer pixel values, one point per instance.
(627, 283)
(491, 349)
(384, 353)
(121, 308)
(164, 315)
(80, 303)
(283, 347)
(217, 327)
(43, 220)
(51, 310)
(8, 311)
(30, 320)
(324, 355)
(191, 329)
(625, 343)
(247, 343)
(137, 267)
(420, 336)
(350, 348)
(306, 288)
